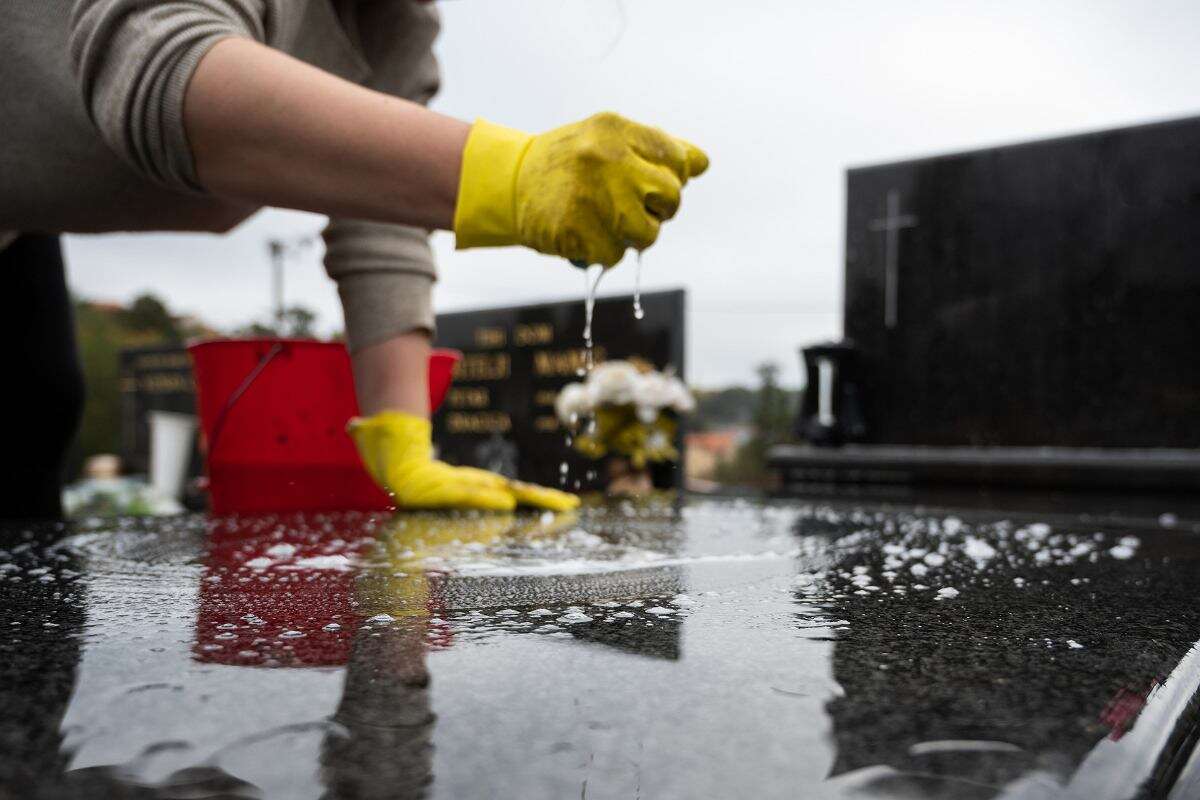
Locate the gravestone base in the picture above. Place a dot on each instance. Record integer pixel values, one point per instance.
(801, 466)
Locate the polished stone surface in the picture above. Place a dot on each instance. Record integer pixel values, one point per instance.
(697, 649)
(1042, 294)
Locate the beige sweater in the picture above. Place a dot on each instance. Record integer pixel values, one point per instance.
(92, 136)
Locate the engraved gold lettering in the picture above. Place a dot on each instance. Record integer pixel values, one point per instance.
(165, 382)
(533, 333)
(468, 397)
(478, 422)
(483, 367)
(178, 360)
(490, 337)
(556, 363)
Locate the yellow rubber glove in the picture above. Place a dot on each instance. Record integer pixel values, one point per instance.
(585, 191)
(397, 450)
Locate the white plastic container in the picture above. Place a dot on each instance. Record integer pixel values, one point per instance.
(171, 437)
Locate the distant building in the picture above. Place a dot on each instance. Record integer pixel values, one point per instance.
(705, 450)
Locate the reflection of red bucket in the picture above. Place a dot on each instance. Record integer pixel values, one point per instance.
(274, 415)
(265, 607)
(282, 591)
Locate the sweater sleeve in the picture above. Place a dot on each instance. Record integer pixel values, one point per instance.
(133, 60)
(384, 272)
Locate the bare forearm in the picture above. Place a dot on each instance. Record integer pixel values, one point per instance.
(272, 130)
(393, 375)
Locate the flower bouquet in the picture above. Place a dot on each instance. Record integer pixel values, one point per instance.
(628, 411)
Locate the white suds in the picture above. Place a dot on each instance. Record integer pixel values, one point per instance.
(574, 616)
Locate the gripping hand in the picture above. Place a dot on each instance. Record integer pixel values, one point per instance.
(585, 191)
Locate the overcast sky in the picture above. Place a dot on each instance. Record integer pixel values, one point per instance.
(783, 95)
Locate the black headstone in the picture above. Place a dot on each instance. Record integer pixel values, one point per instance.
(153, 379)
(1045, 294)
(499, 413)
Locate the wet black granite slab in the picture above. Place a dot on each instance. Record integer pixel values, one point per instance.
(687, 649)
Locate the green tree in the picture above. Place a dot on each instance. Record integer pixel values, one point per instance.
(297, 323)
(722, 408)
(102, 332)
(773, 414)
(774, 409)
(149, 315)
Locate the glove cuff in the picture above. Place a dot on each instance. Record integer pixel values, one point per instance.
(390, 437)
(486, 214)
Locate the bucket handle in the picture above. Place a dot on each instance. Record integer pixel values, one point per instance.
(219, 424)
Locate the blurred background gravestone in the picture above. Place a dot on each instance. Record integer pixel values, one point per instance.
(153, 379)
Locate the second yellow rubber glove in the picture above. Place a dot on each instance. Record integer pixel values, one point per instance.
(585, 191)
(397, 450)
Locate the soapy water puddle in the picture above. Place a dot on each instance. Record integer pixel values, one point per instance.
(882, 555)
(623, 535)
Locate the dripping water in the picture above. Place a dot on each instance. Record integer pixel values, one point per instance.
(591, 284)
(638, 313)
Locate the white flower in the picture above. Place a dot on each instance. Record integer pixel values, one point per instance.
(683, 401)
(619, 383)
(656, 391)
(574, 401)
(653, 392)
(613, 383)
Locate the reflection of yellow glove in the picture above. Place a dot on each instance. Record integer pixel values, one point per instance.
(584, 191)
(397, 450)
(397, 581)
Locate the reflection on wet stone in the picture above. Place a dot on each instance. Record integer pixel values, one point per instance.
(1050, 642)
(41, 622)
(854, 652)
(383, 747)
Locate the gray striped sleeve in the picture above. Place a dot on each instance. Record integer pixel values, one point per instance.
(134, 59)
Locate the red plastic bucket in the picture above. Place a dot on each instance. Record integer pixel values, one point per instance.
(274, 415)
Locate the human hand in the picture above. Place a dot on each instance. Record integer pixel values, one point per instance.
(585, 191)
(397, 450)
